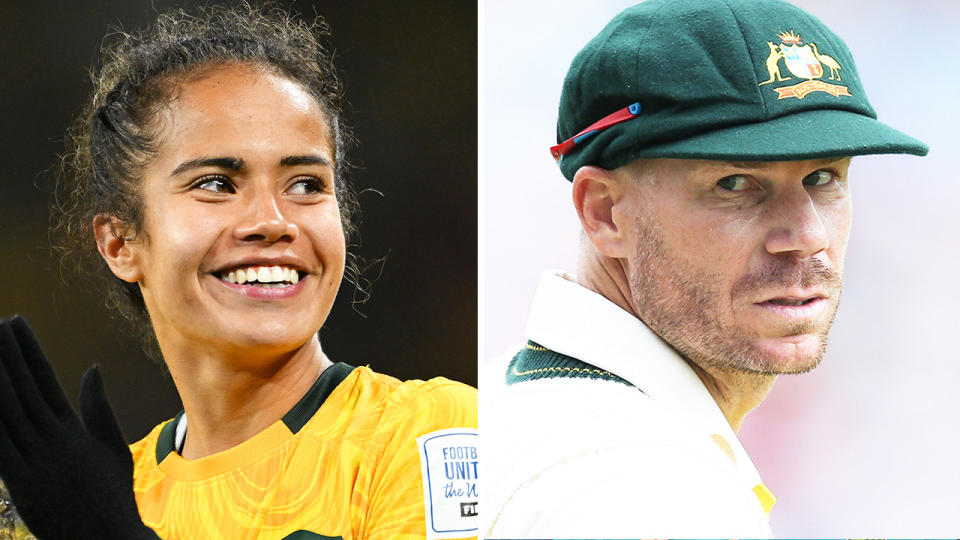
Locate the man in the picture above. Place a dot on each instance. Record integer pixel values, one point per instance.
(708, 144)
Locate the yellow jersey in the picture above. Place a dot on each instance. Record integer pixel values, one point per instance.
(360, 456)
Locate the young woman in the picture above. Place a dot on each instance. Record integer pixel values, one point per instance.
(208, 173)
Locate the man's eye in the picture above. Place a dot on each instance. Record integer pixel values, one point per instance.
(818, 178)
(216, 184)
(735, 182)
(307, 185)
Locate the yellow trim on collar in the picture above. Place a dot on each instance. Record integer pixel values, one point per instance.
(765, 496)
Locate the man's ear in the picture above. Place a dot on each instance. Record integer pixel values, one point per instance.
(116, 246)
(596, 193)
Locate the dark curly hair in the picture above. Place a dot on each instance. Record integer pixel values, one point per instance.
(114, 136)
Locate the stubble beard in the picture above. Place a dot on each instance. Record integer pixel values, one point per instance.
(682, 305)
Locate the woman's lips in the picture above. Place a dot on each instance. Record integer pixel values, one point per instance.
(261, 292)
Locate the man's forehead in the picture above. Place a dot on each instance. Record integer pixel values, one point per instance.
(768, 164)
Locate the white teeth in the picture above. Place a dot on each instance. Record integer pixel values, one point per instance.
(264, 275)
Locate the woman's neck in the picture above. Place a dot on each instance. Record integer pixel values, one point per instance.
(229, 398)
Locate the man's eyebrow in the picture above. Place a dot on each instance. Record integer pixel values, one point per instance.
(746, 164)
(829, 160)
(309, 159)
(232, 163)
(761, 164)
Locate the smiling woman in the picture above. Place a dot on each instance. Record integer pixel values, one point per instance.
(209, 175)
(242, 180)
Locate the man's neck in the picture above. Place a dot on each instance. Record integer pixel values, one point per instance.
(606, 277)
(736, 393)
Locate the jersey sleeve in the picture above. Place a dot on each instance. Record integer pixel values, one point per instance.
(424, 481)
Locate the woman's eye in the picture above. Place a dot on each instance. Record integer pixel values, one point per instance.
(734, 182)
(306, 186)
(216, 184)
(818, 178)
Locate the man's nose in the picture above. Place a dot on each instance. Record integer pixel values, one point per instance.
(264, 220)
(797, 227)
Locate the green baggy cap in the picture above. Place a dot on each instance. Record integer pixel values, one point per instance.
(735, 80)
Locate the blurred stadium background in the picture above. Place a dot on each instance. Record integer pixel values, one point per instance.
(865, 445)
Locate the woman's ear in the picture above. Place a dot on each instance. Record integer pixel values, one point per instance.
(116, 246)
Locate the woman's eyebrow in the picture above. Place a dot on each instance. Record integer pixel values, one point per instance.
(231, 163)
(235, 164)
(309, 159)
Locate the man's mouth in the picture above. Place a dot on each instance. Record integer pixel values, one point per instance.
(794, 307)
(271, 277)
(792, 302)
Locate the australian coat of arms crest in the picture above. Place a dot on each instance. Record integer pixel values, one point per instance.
(803, 61)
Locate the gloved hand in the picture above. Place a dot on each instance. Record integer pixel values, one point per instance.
(68, 479)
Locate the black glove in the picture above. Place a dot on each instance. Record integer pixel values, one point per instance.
(68, 479)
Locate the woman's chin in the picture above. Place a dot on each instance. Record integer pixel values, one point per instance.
(267, 338)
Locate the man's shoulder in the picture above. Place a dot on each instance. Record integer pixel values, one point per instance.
(559, 442)
(572, 414)
(556, 448)
(529, 426)
(533, 395)
(644, 490)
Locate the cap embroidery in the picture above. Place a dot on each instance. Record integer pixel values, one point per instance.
(804, 61)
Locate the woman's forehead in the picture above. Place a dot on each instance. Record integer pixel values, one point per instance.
(239, 109)
(237, 78)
